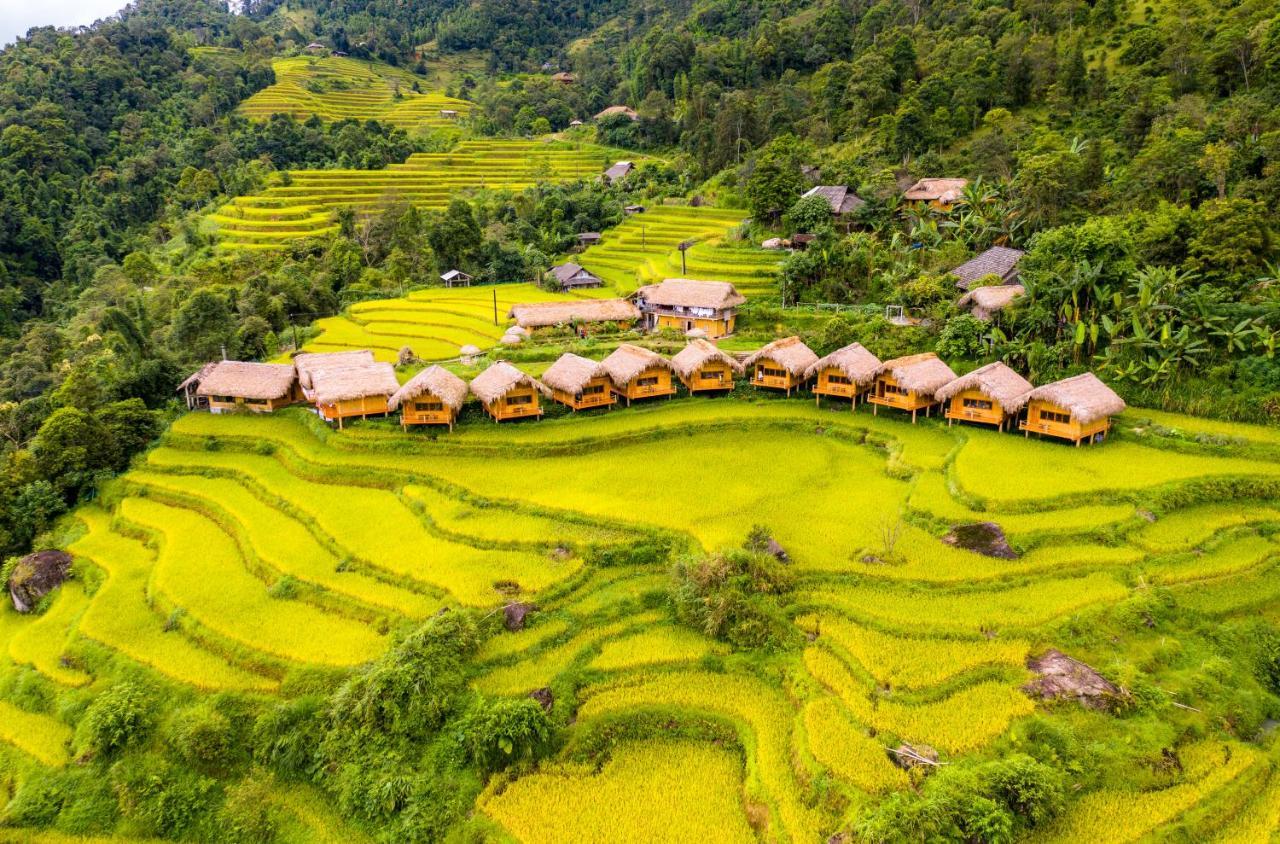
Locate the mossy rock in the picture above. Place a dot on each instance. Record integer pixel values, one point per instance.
(985, 538)
(35, 576)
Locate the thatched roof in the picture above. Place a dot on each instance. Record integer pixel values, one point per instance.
(436, 381)
(543, 314)
(936, 190)
(564, 272)
(309, 363)
(354, 382)
(628, 361)
(501, 378)
(697, 355)
(986, 301)
(619, 170)
(995, 380)
(790, 353)
(923, 373)
(1084, 395)
(998, 261)
(857, 364)
(684, 292)
(840, 198)
(197, 376)
(617, 109)
(570, 373)
(247, 380)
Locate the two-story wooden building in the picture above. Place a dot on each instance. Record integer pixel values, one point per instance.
(780, 365)
(507, 393)
(846, 373)
(703, 368)
(990, 395)
(586, 315)
(362, 390)
(230, 385)
(432, 397)
(579, 383)
(637, 373)
(684, 305)
(1078, 409)
(909, 383)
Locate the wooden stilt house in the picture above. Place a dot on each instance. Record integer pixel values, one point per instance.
(990, 395)
(363, 390)
(579, 383)
(508, 393)
(190, 387)
(844, 374)
(781, 365)
(1077, 409)
(432, 397)
(638, 373)
(703, 368)
(231, 385)
(909, 383)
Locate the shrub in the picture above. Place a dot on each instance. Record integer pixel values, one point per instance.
(285, 737)
(961, 338)
(495, 733)
(647, 552)
(248, 815)
(165, 800)
(119, 717)
(733, 595)
(37, 801)
(201, 735)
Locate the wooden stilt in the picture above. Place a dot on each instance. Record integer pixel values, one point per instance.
(913, 416)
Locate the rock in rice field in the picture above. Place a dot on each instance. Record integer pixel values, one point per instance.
(1059, 677)
(514, 615)
(544, 697)
(35, 576)
(984, 538)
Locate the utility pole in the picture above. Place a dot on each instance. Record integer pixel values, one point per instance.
(495, 305)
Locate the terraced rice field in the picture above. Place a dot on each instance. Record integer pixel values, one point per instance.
(246, 546)
(302, 203)
(339, 88)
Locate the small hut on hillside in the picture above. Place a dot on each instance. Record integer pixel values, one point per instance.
(432, 397)
(1076, 409)
(844, 374)
(231, 385)
(455, 278)
(638, 373)
(703, 368)
(363, 390)
(998, 261)
(619, 170)
(990, 395)
(606, 113)
(571, 276)
(781, 365)
(938, 193)
(985, 302)
(585, 314)
(508, 393)
(579, 383)
(909, 383)
(844, 203)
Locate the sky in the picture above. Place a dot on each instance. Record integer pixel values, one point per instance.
(17, 16)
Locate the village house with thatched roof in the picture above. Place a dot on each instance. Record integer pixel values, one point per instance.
(937, 193)
(638, 373)
(362, 390)
(1076, 409)
(909, 383)
(579, 383)
(571, 276)
(308, 364)
(985, 302)
(846, 373)
(226, 386)
(507, 393)
(612, 110)
(564, 77)
(999, 261)
(585, 315)
(990, 395)
(781, 365)
(842, 201)
(681, 304)
(703, 368)
(432, 397)
(618, 171)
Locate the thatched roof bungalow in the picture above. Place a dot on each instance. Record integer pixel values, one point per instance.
(586, 314)
(685, 305)
(985, 302)
(579, 383)
(308, 364)
(638, 373)
(432, 397)
(846, 373)
(780, 365)
(230, 385)
(909, 383)
(606, 113)
(360, 390)
(702, 367)
(1077, 409)
(508, 393)
(990, 395)
(998, 261)
(939, 193)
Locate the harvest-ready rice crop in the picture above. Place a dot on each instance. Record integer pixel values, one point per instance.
(652, 646)
(42, 642)
(1189, 528)
(930, 494)
(40, 736)
(648, 791)
(845, 748)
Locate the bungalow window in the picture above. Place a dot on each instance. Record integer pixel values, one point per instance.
(1051, 416)
(525, 399)
(888, 389)
(977, 404)
(711, 375)
(428, 406)
(837, 379)
(261, 402)
(647, 381)
(770, 372)
(225, 399)
(593, 390)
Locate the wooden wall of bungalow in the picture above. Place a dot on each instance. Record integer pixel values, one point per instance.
(1056, 421)
(232, 404)
(520, 402)
(781, 365)
(908, 384)
(1078, 409)
(713, 375)
(989, 395)
(716, 327)
(427, 409)
(973, 405)
(637, 373)
(362, 407)
(598, 392)
(653, 382)
(846, 373)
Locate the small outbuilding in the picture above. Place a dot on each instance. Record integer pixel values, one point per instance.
(985, 302)
(1077, 409)
(638, 373)
(611, 111)
(586, 239)
(841, 199)
(231, 385)
(998, 261)
(844, 374)
(990, 395)
(703, 368)
(364, 390)
(432, 397)
(507, 393)
(781, 365)
(909, 383)
(620, 170)
(449, 113)
(455, 278)
(584, 314)
(630, 210)
(574, 124)
(564, 78)
(571, 276)
(937, 193)
(579, 383)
